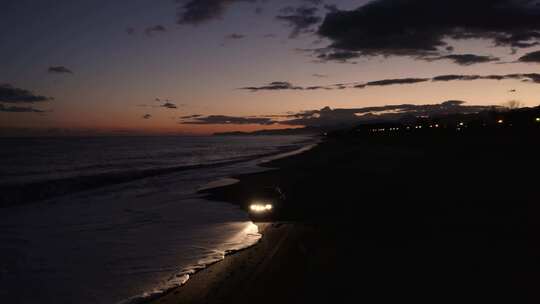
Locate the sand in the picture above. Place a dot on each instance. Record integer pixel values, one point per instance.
(272, 271)
(427, 218)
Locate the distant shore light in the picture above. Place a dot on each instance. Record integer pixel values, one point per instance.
(500, 121)
(537, 119)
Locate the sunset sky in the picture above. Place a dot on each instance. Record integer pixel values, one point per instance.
(146, 65)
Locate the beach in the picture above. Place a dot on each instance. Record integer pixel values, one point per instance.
(126, 224)
(428, 217)
(268, 272)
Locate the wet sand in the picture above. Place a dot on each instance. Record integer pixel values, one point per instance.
(274, 270)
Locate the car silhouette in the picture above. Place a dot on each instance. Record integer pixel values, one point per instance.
(266, 204)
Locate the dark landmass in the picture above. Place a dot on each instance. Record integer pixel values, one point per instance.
(430, 215)
(291, 131)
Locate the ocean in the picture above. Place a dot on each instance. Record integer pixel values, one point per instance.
(119, 219)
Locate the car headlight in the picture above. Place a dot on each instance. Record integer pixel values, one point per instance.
(260, 208)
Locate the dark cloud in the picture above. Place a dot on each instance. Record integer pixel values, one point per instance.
(155, 29)
(422, 27)
(270, 36)
(327, 117)
(191, 116)
(166, 103)
(284, 85)
(331, 118)
(521, 39)
(456, 77)
(235, 36)
(59, 70)
(531, 57)
(146, 116)
(130, 31)
(225, 120)
(319, 75)
(169, 105)
(339, 56)
(10, 94)
(532, 77)
(387, 82)
(15, 109)
(331, 8)
(274, 86)
(313, 2)
(465, 59)
(300, 19)
(196, 12)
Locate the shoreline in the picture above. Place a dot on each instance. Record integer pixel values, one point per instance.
(270, 231)
(213, 283)
(266, 163)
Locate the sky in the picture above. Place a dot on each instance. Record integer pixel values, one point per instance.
(204, 66)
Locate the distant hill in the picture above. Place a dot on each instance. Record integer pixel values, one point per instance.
(291, 131)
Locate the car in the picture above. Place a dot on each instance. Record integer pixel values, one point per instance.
(266, 204)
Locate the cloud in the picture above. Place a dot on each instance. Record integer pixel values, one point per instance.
(332, 8)
(314, 2)
(169, 105)
(130, 31)
(464, 59)
(531, 57)
(196, 12)
(284, 85)
(319, 75)
(387, 82)
(146, 116)
(327, 117)
(456, 77)
(531, 77)
(222, 119)
(273, 86)
(155, 29)
(10, 94)
(339, 56)
(16, 109)
(191, 116)
(331, 118)
(423, 27)
(235, 36)
(300, 19)
(59, 70)
(166, 103)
